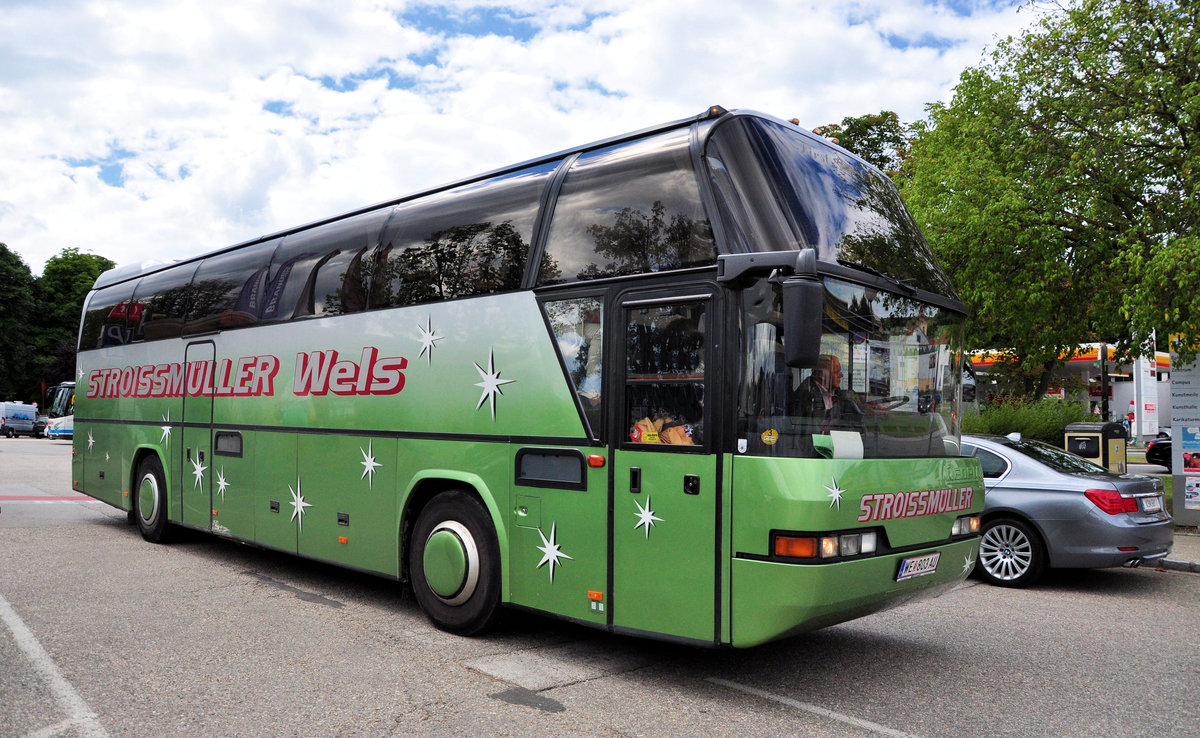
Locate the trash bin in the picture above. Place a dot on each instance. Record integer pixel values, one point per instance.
(1103, 443)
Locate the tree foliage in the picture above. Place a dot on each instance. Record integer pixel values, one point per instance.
(39, 319)
(16, 311)
(880, 138)
(1050, 185)
(60, 293)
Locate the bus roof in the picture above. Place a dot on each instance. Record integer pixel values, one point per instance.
(126, 272)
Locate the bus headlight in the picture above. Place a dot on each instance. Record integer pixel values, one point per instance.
(966, 525)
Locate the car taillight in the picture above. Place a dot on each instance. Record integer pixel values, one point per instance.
(1111, 501)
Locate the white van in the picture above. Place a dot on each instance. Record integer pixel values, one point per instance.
(16, 419)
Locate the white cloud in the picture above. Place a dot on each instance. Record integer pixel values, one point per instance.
(226, 119)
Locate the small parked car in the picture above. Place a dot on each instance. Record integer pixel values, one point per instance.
(39, 425)
(1048, 508)
(1158, 451)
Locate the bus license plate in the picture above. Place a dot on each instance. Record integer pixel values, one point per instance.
(917, 566)
(1151, 504)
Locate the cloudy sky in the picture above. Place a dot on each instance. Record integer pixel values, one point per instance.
(144, 129)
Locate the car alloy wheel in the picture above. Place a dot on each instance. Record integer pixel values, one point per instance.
(1010, 553)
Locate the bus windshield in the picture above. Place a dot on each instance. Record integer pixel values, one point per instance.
(780, 190)
(887, 383)
(60, 400)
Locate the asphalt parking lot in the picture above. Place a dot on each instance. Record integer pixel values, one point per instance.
(105, 634)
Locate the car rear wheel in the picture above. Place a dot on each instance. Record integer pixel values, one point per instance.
(1010, 554)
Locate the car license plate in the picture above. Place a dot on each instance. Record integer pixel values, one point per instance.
(917, 566)
(1151, 504)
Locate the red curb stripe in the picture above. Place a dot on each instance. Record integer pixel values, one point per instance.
(44, 498)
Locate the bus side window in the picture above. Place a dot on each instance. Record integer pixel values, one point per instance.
(228, 289)
(310, 268)
(664, 374)
(336, 287)
(162, 300)
(104, 319)
(578, 326)
(472, 240)
(628, 209)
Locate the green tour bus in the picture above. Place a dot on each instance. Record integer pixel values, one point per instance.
(700, 382)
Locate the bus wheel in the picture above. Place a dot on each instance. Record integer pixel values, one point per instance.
(150, 501)
(1010, 553)
(454, 563)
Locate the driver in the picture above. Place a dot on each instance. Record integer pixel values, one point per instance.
(823, 402)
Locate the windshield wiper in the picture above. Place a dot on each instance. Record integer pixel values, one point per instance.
(904, 285)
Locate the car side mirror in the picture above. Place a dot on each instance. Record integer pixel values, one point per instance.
(804, 310)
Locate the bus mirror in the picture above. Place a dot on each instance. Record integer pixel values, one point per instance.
(803, 308)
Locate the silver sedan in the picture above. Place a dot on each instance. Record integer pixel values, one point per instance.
(1047, 507)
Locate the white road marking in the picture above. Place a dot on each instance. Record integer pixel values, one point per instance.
(79, 715)
(857, 722)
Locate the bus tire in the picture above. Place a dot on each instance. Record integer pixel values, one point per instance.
(150, 501)
(1011, 553)
(454, 563)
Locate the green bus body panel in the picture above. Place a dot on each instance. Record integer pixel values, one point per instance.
(233, 485)
(770, 599)
(774, 600)
(443, 380)
(664, 540)
(338, 420)
(814, 495)
(558, 547)
(352, 515)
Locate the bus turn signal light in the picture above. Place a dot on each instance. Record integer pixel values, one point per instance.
(796, 547)
(595, 461)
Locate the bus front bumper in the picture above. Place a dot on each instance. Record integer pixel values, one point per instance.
(774, 600)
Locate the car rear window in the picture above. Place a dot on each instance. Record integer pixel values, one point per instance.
(1056, 458)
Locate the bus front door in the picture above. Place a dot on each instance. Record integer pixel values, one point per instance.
(196, 450)
(665, 474)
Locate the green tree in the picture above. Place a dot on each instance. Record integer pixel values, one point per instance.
(1049, 184)
(59, 294)
(880, 138)
(1138, 61)
(16, 312)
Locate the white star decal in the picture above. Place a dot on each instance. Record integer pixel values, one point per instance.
(550, 551)
(835, 494)
(369, 464)
(298, 503)
(198, 472)
(166, 429)
(645, 516)
(92, 441)
(79, 375)
(491, 383)
(107, 457)
(428, 338)
(968, 564)
(222, 484)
